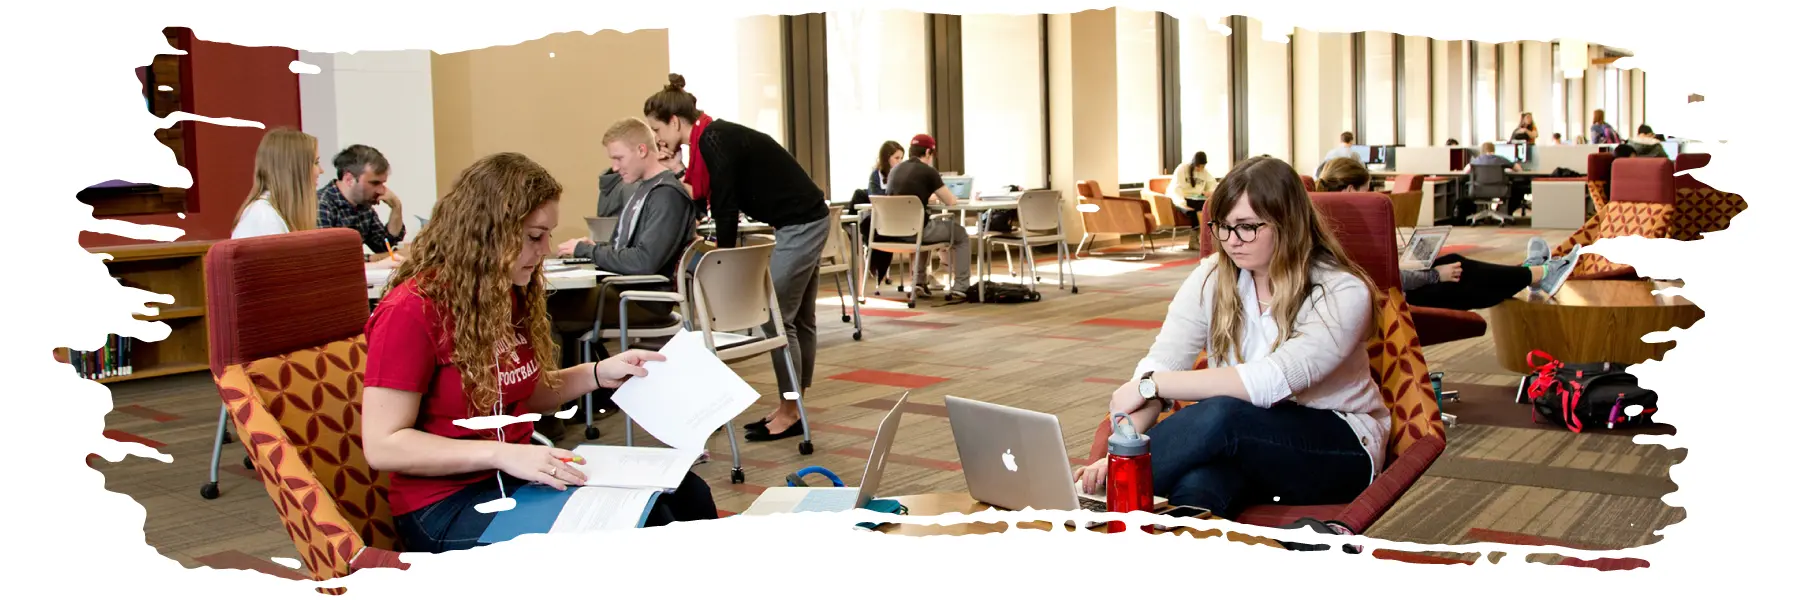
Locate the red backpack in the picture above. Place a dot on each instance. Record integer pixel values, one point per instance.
(1585, 395)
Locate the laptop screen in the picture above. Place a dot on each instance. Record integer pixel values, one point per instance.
(959, 186)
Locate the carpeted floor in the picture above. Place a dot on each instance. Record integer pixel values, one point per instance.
(1501, 478)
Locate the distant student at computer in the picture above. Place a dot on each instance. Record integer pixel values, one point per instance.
(1454, 281)
(656, 224)
(1517, 188)
(1646, 144)
(1556, 139)
(1286, 409)
(362, 176)
(1344, 150)
(463, 332)
(917, 177)
(891, 154)
(281, 198)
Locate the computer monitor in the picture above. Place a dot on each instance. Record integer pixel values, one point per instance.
(1362, 153)
(1672, 147)
(960, 186)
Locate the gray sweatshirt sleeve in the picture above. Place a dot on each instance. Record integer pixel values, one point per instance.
(664, 228)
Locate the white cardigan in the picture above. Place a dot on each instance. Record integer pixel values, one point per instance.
(259, 218)
(1324, 366)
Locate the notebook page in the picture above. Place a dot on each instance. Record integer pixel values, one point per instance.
(635, 467)
(602, 508)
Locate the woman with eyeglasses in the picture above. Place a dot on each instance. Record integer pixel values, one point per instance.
(1286, 410)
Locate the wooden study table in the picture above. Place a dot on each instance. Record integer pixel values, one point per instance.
(582, 276)
(929, 505)
(1589, 321)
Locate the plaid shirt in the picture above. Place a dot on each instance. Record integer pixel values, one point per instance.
(335, 211)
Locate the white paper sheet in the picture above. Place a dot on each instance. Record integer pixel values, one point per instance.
(685, 396)
(596, 508)
(635, 467)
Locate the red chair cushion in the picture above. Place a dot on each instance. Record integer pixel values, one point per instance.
(1440, 325)
(276, 294)
(1696, 160)
(1600, 166)
(1642, 180)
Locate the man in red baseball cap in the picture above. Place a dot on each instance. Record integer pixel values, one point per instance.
(917, 177)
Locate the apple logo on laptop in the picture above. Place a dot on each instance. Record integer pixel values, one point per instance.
(1007, 459)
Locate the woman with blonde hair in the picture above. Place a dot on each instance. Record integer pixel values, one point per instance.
(460, 333)
(1601, 132)
(1286, 409)
(281, 194)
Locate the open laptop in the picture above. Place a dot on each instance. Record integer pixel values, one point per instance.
(1423, 247)
(960, 186)
(1014, 458)
(600, 229)
(836, 499)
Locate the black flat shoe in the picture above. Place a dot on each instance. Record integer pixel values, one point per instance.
(763, 435)
(761, 425)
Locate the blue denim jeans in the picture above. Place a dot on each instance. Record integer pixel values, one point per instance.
(454, 524)
(1226, 454)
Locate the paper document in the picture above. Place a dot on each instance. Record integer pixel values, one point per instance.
(635, 467)
(685, 396)
(376, 277)
(597, 508)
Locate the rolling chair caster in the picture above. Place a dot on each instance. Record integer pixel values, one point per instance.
(846, 318)
(806, 448)
(856, 336)
(1074, 290)
(210, 490)
(737, 475)
(227, 438)
(248, 464)
(912, 303)
(593, 433)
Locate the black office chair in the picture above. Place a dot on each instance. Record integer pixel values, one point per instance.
(1488, 182)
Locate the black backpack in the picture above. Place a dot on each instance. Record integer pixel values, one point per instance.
(990, 292)
(1584, 395)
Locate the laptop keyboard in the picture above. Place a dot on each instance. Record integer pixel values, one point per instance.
(828, 500)
(1092, 505)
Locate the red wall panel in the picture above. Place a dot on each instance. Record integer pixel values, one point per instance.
(226, 81)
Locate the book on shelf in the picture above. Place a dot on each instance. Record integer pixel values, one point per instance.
(112, 359)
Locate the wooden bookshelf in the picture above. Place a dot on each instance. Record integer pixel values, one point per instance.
(166, 82)
(176, 269)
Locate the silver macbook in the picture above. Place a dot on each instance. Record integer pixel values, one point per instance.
(836, 499)
(960, 186)
(1015, 459)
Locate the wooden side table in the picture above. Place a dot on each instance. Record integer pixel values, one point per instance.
(1589, 321)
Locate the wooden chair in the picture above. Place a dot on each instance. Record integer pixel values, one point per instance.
(1363, 223)
(1166, 208)
(1103, 214)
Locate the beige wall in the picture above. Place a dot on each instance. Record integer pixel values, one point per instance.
(552, 109)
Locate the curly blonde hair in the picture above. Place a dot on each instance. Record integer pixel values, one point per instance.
(463, 262)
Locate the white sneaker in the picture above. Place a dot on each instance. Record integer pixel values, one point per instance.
(1557, 271)
(1537, 252)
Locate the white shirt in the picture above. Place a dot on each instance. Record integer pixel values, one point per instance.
(259, 218)
(1325, 366)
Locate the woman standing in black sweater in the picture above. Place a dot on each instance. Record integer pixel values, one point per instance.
(736, 170)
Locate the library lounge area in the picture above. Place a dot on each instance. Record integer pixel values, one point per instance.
(543, 290)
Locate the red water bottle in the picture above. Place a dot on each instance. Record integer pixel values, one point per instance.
(1127, 471)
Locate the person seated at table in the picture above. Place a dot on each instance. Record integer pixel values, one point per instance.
(281, 199)
(891, 154)
(1191, 180)
(462, 332)
(1287, 408)
(1623, 151)
(1517, 187)
(1454, 281)
(1647, 144)
(917, 177)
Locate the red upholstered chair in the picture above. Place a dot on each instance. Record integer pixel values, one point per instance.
(287, 314)
(1642, 204)
(1307, 180)
(1364, 225)
(1407, 183)
(1599, 181)
(1700, 209)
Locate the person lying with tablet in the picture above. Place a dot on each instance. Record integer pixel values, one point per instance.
(460, 334)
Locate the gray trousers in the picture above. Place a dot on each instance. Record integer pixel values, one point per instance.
(938, 231)
(795, 268)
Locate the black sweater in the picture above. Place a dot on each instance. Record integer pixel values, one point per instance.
(754, 175)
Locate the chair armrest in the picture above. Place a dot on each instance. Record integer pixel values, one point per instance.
(541, 439)
(376, 558)
(1401, 473)
(633, 279)
(648, 296)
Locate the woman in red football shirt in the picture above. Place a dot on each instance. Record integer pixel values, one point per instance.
(459, 334)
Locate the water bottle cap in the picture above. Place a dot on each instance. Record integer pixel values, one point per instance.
(1125, 440)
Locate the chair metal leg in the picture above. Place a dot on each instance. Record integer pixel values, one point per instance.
(1074, 288)
(737, 462)
(1030, 266)
(1083, 244)
(587, 400)
(806, 445)
(837, 281)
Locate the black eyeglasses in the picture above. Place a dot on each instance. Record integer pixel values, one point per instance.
(1246, 232)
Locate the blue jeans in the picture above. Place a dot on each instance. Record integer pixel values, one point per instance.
(1226, 454)
(454, 524)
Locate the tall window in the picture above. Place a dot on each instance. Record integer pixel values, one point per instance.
(1140, 131)
(1205, 93)
(1487, 125)
(1268, 61)
(1003, 108)
(1378, 89)
(876, 64)
(746, 90)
